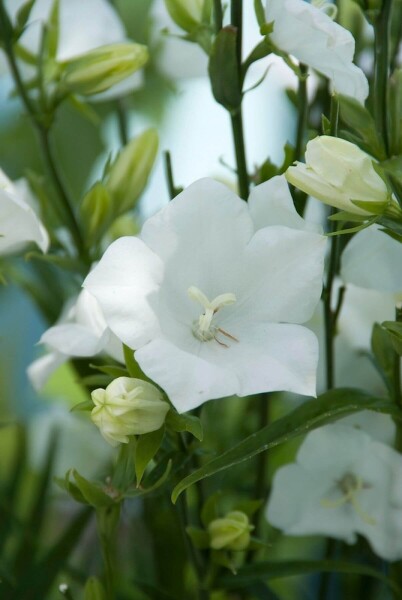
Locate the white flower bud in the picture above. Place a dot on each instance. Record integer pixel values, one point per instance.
(232, 532)
(128, 407)
(98, 70)
(337, 172)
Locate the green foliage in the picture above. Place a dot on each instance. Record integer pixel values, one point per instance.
(146, 448)
(312, 414)
(224, 69)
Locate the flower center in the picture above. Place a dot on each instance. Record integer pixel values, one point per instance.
(351, 486)
(327, 7)
(203, 327)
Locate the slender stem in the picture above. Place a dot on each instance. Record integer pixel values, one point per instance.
(108, 568)
(260, 487)
(238, 139)
(302, 103)
(237, 115)
(41, 123)
(173, 190)
(218, 15)
(382, 29)
(327, 576)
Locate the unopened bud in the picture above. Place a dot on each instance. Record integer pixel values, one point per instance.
(128, 175)
(187, 14)
(128, 407)
(99, 69)
(232, 532)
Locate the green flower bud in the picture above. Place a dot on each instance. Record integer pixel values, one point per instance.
(338, 172)
(187, 14)
(96, 212)
(98, 70)
(232, 532)
(128, 407)
(128, 175)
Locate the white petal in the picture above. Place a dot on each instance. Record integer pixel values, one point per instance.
(372, 260)
(271, 203)
(41, 369)
(123, 283)
(379, 427)
(187, 379)
(267, 357)
(281, 276)
(74, 340)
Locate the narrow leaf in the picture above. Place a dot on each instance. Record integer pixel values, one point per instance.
(145, 450)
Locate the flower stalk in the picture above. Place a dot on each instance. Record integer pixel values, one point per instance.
(382, 31)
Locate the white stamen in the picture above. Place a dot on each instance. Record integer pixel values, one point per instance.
(203, 329)
(351, 486)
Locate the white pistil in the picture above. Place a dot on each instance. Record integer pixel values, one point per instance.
(351, 486)
(203, 328)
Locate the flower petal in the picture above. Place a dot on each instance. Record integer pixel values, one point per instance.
(372, 260)
(187, 379)
(271, 203)
(123, 283)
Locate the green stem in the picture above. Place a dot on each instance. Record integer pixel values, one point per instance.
(218, 15)
(237, 116)
(238, 139)
(382, 28)
(108, 568)
(122, 122)
(40, 123)
(302, 103)
(325, 581)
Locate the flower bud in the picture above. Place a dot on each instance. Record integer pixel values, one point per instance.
(129, 173)
(98, 70)
(337, 172)
(232, 532)
(128, 407)
(187, 14)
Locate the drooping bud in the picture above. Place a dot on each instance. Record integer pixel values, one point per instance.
(128, 175)
(231, 532)
(98, 70)
(337, 172)
(128, 407)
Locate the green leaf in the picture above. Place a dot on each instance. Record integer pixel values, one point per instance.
(111, 370)
(199, 537)
(91, 491)
(22, 16)
(384, 354)
(85, 406)
(259, 12)
(344, 215)
(133, 367)
(124, 471)
(224, 69)
(249, 507)
(312, 414)
(358, 118)
(263, 49)
(288, 568)
(94, 590)
(185, 422)
(394, 329)
(147, 446)
(143, 491)
(210, 511)
(374, 208)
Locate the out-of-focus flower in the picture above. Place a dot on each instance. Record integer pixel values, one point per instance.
(231, 532)
(19, 222)
(309, 34)
(81, 332)
(96, 23)
(342, 483)
(100, 69)
(212, 306)
(337, 172)
(128, 407)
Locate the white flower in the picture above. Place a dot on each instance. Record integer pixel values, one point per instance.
(211, 306)
(84, 25)
(81, 332)
(342, 483)
(337, 172)
(19, 223)
(128, 407)
(310, 35)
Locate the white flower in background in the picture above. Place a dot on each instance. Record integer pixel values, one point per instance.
(343, 483)
(337, 172)
(81, 332)
(212, 306)
(83, 27)
(309, 34)
(378, 426)
(19, 223)
(128, 407)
